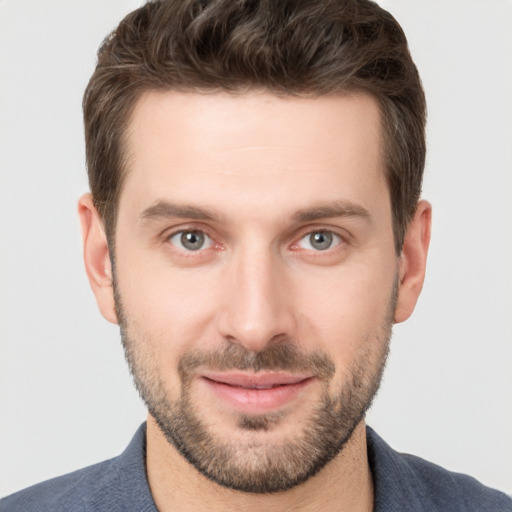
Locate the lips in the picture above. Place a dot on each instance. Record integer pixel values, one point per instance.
(258, 381)
(256, 393)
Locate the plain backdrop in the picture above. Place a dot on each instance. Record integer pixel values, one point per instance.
(66, 396)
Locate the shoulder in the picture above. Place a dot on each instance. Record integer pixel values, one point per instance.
(118, 484)
(423, 486)
(447, 488)
(73, 492)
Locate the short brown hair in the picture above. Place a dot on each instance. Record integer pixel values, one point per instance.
(288, 47)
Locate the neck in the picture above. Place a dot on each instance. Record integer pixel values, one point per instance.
(345, 483)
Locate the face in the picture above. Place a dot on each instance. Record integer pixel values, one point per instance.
(255, 277)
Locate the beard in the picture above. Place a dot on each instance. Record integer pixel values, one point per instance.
(250, 463)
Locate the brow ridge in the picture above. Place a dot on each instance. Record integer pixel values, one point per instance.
(164, 209)
(331, 210)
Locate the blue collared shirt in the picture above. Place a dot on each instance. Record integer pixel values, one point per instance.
(402, 483)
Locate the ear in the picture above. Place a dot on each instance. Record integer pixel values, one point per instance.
(413, 261)
(97, 257)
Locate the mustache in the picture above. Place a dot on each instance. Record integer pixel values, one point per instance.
(283, 356)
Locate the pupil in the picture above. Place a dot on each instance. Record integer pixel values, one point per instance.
(321, 240)
(192, 240)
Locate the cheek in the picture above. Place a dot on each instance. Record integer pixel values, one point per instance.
(171, 309)
(166, 316)
(343, 310)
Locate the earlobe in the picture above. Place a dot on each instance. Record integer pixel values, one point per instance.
(413, 261)
(97, 257)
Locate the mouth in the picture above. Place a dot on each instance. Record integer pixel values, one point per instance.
(256, 393)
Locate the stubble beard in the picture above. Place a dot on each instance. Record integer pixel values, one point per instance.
(257, 466)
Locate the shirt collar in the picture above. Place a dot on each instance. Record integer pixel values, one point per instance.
(132, 475)
(396, 484)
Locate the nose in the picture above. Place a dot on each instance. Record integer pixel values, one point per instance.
(257, 302)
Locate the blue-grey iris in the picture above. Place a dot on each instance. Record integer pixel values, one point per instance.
(321, 240)
(192, 240)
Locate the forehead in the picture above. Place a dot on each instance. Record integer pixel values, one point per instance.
(257, 115)
(254, 146)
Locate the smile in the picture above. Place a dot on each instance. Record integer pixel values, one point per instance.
(255, 394)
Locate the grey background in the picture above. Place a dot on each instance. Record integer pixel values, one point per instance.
(65, 394)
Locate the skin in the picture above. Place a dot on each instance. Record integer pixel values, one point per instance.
(257, 163)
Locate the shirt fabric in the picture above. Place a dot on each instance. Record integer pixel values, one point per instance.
(402, 483)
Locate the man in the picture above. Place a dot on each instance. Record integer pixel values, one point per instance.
(255, 229)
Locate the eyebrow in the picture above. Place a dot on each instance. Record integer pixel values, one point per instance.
(165, 210)
(331, 210)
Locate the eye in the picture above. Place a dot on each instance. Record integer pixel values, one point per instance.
(319, 241)
(191, 240)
